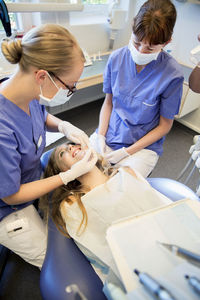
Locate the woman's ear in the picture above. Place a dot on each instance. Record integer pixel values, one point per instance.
(40, 76)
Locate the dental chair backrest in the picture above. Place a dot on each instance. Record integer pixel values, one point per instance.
(173, 189)
(66, 265)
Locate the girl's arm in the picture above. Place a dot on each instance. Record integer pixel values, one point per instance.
(105, 113)
(152, 136)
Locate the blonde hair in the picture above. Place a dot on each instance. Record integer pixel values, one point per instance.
(51, 203)
(50, 47)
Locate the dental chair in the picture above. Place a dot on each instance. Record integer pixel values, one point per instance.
(66, 266)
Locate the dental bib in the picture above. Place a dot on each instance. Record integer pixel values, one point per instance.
(120, 197)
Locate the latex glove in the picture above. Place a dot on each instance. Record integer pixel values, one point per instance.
(117, 155)
(73, 133)
(101, 144)
(81, 167)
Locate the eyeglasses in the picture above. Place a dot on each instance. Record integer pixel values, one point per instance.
(71, 90)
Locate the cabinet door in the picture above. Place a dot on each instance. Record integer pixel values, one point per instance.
(189, 102)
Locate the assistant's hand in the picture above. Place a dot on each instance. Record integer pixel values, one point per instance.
(101, 144)
(81, 167)
(117, 155)
(73, 133)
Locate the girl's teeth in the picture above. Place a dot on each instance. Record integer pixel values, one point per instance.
(75, 153)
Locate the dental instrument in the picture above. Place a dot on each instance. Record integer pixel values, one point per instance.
(190, 256)
(154, 287)
(194, 282)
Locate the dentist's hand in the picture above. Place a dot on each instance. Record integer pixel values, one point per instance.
(81, 167)
(117, 155)
(73, 133)
(101, 144)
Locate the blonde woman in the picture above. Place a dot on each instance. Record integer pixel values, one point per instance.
(84, 208)
(49, 63)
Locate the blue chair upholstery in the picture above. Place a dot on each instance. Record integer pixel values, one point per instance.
(173, 189)
(45, 157)
(65, 264)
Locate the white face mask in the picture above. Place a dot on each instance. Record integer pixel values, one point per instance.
(59, 98)
(141, 58)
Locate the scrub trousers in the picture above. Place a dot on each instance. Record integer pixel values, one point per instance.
(24, 233)
(142, 161)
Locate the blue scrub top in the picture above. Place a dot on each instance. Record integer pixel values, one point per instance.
(139, 99)
(22, 141)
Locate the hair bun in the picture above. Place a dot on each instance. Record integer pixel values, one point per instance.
(12, 50)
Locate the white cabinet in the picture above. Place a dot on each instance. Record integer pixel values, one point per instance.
(189, 102)
(189, 113)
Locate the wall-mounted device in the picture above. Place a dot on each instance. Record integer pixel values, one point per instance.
(5, 19)
(117, 19)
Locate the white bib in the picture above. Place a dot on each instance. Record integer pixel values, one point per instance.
(120, 197)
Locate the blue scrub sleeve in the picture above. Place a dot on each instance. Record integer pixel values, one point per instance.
(10, 173)
(45, 113)
(171, 99)
(107, 88)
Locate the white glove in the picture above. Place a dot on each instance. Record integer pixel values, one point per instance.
(73, 133)
(117, 155)
(101, 144)
(81, 167)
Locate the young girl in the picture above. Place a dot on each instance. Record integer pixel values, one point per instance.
(84, 208)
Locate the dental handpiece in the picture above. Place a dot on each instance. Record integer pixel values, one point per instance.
(194, 282)
(153, 287)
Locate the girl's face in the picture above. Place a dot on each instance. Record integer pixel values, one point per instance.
(67, 155)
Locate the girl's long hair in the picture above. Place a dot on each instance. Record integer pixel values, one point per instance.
(50, 204)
